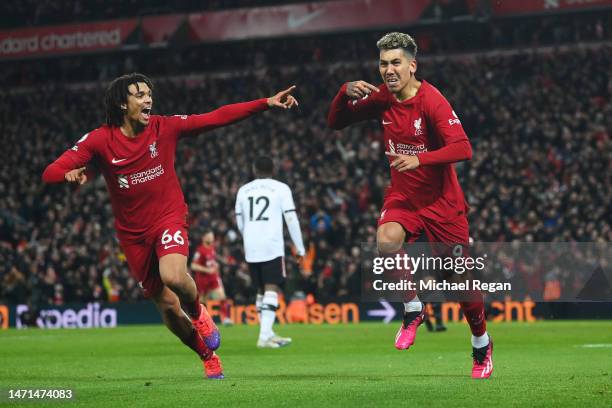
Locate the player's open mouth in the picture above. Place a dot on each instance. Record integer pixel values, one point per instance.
(392, 81)
(146, 113)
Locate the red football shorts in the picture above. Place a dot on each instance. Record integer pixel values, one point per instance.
(207, 282)
(453, 231)
(143, 256)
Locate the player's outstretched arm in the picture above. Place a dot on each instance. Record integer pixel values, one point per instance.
(352, 104)
(71, 167)
(233, 113)
(62, 170)
(283, 99)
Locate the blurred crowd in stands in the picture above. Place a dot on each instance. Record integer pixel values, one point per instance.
(433, 39)
(540, 125)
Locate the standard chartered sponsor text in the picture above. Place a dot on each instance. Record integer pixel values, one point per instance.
(59, 41)
(147, 175)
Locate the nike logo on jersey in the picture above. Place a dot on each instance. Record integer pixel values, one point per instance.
(115, 161)
(169, 246)
(386, 123)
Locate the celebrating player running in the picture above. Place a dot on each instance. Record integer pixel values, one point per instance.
(423, 138)
(135, 153)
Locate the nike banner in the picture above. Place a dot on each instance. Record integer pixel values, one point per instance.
(329, 16)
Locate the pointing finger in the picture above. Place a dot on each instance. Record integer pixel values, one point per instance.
(364, 88)
(371, 87)
(288, 90)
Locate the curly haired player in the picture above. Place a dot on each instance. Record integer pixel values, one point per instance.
(135, 152)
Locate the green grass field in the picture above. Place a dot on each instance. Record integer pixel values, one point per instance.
(542, 364)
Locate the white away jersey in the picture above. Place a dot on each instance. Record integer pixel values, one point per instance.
(261, 206)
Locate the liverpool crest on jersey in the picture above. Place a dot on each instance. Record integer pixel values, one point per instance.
(153, 149)
(417, 127)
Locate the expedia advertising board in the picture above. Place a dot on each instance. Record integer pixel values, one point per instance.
(108, 315)
(78, 315)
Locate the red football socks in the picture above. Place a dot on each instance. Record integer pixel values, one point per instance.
(475, 315)
(193, 309)
(196, 343)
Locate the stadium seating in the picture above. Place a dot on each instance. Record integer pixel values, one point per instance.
(541, 168)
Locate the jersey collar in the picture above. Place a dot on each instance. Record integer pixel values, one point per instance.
(415, 98)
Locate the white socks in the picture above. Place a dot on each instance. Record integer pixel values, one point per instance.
(414, 305)
(480, 341)
(269, 305)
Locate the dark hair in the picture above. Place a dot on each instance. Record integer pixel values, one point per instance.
(263, 166)
(116, 95)
(391, 41)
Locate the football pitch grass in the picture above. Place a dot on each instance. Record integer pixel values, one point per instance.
(539, 364)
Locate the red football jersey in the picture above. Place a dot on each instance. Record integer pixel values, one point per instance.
(206, 256)
(422, 125)
(139, 172)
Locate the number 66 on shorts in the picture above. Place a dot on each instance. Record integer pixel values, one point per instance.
(172, 240)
